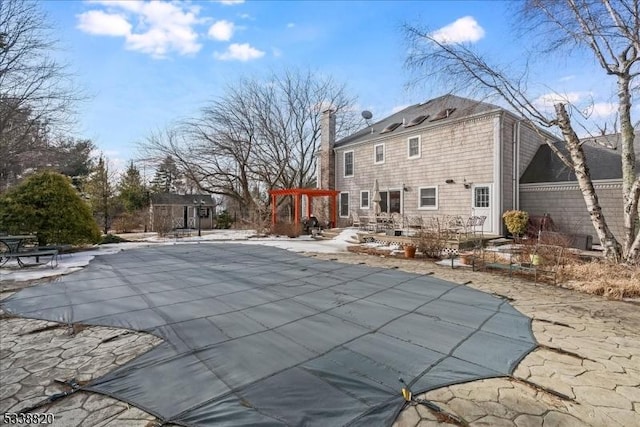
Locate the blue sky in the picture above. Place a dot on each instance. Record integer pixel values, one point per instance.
(146, 64)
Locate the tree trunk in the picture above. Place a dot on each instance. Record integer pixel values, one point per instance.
(612, 249)
(629, 197)
(632, 256)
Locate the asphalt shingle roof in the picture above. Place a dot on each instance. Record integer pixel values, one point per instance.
(179, 199)
(458, 107)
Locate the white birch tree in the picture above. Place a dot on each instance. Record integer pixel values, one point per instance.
(610, 31)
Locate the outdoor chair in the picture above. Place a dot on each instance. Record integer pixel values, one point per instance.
(356, 221)
(396, 221)
(478, 225)
(457, 226)
(415, 223)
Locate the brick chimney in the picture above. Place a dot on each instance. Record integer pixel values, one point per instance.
(327, 161)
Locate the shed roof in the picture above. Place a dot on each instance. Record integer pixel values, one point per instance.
(438, 110)
(180, 199)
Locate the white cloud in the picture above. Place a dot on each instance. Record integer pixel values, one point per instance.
(567, 78)
(548, 100)
(465, 29)
(601, 109)
(239, 52)
(230, 2)
(222, 30)
(276, 52)
(246, 16)
(100, 23)
(291, 25)
(160, 28)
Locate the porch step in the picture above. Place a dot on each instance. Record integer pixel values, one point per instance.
(499, 242)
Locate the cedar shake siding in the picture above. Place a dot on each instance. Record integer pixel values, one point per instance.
(549, 186)
(469, 143)
(565, 204)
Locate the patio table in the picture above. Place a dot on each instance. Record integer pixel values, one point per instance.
(12, 245)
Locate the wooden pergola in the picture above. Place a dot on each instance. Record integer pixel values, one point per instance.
(297, 194)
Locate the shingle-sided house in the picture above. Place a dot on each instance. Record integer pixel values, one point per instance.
(179, 211)
(549, 186)
(447, 156)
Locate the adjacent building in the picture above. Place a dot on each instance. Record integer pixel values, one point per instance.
(549, 186)
(169, 211)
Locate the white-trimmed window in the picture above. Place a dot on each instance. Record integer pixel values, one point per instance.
(428, 198)
(348, 163)
(364, 199)
(378, 154)
(414, 149)
(344, 205)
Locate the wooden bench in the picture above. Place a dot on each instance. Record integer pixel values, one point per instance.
(539, 260)
(34, 253)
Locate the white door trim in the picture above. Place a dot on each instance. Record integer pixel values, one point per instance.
(490, 212)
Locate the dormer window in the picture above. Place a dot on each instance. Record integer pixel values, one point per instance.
(416, 121)
(444, 114)
(390, 128)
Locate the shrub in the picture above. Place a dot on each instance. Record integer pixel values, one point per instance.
(224, 220)
(286, 229)
(163, 224)
(516, 221)
(112, 238)
(46, 204)
(431, 243)
(129, 221)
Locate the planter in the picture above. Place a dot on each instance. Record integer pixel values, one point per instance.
(410, 251)
(466, 258)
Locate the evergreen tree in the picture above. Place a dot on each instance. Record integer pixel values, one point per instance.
(46, 204)
(166, 177)
(99, 190)
(132, 191)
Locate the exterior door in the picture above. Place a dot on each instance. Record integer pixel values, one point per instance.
(395, 201)
(391, 201)
(185, 211)
(481, 204)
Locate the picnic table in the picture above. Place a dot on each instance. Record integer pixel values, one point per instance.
(16, 247)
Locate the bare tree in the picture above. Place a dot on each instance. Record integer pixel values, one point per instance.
(261, 134)
(610, 31)
(36, 94)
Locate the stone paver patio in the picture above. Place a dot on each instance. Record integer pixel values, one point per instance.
(587, 371)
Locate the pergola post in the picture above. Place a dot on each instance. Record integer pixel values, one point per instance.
(273, 209)
(334, 212)
(309, 202)
(296, 209)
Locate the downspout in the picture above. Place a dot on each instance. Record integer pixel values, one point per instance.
(498, 164)
(517, 175)
(514, 164)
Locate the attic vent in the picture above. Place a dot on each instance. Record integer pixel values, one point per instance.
(390, 128)
(443, 114)
(416, 121)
